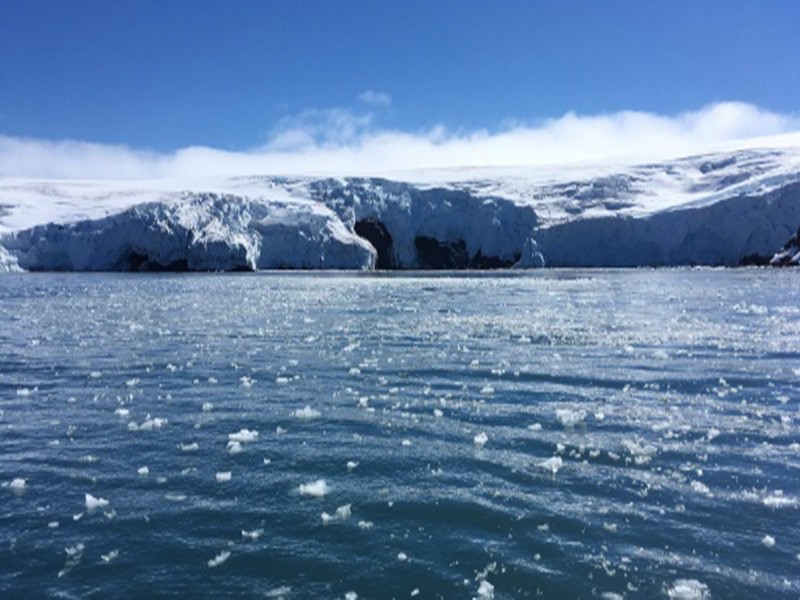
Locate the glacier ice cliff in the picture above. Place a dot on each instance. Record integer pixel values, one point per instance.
(724, 209)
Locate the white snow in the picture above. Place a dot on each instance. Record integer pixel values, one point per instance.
(710, 209)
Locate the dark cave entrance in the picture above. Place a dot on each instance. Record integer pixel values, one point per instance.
(376, 234)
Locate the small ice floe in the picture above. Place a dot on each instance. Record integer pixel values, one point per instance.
(171, 368)
(552, 464)
(53, 525)
(252, 535)
(192, 447)
(207, 407)
(246, 382)
(535, 427)
(768, 541)
(95, 375)
(316, 488)
(351, 464)
(688, 589)
(610, 527)
(266, 461)
(342, 514)
(280, 430)
(485, 591)
(415, 592)
(306, 414)
(149, 424)
(611, 596)
(487, 390)
(92, 503)
(438, 413)
(570, 418)
(281, 380)
(234, 447)
(133, 382)
(641, 452)
(223, 476)
(365, 525)
(351, 596)
(143, 471)
(74, 556)
(402, 556)
(243, 435)
(354, 371)
(701, 488)
(77, 517)
(480, 440)
(18, 485)
(123, 413)
(219, 559)
(107, 558)
(174, 497)
(778, 500)
(363, 402)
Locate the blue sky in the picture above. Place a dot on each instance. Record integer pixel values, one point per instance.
(238, 75)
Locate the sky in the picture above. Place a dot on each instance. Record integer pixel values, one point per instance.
(141, 86)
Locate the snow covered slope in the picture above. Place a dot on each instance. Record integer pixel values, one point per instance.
(720, 209)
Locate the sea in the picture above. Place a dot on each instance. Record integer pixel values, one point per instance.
(555, 433)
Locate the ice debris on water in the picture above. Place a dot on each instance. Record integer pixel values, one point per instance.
(18, 485)
(485, 591)
(552, 464)
(27, 391)
(306, 413)
(207, 406)
(570, 418)
(192, 447)
(402, 556)
(219, 559)
(92, 502)
(107, 558)
(149, 424)
(143, 471)
(351, 464)
(480, 440)
(243, 435)
(688, 589)
(342, 514)
(252, 535)
(234, 447)
(74, 556)
(316, 488)
(768, 541)
(351, 596)
(223, 476)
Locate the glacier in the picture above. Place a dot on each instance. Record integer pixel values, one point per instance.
(723, 209)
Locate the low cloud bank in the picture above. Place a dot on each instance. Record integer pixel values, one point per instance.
(345, 142)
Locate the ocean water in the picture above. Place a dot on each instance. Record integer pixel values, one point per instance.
(556, 434)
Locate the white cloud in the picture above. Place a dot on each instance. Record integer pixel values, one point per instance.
(373, 98)
(338, 141)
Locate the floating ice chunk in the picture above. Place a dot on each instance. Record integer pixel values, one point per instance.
(351, 464)
(480, 440)
(223, 476)
(143, 471)
(768, 541)
(700, 488)
(192, 447)
(234, 447)
(266, 461)
(93, 503)
(351, 596)
(610, 527)
(27, 391)
(712, 433)
(415, 592)
(207, 406)
(535, 427)
(552, 464)
(247, 382)
(74, 556)
(95, 375)
(405, 443)
(485, 591)
(53, 525)
(611, 596)
(487, 390)
(344, 512)
(316, 488)
(569, 418)
(306, 413)
(279, 592)
(366, 525)
(363, 402)
(107, 558)
(778, 500)
(18, 485)
(402, 556)
(133, 382)
(252, 535)
(326, 518)
(642, 453)
(437, 413)
(688, 589)
(281, 380)
(122, 412)
(219, 559)
(280, 430)
(243, 435)
(175, 497)
(354, 371)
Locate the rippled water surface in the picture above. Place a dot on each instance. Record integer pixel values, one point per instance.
(564, 434)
